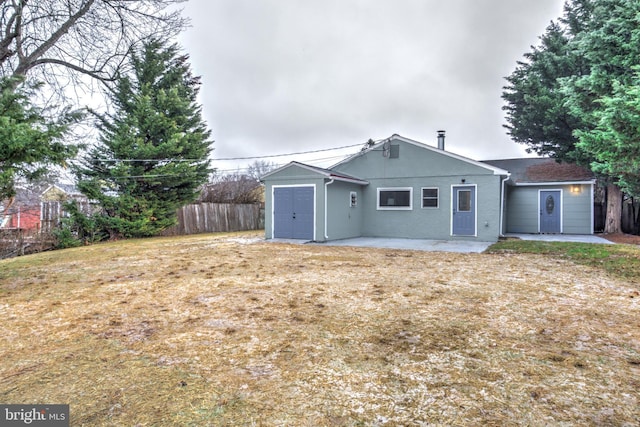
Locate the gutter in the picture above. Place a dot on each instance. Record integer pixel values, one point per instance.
(502, 196)
(326, 208)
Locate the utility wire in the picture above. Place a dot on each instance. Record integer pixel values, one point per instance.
(219, 171)
(224, 158)
(290, 154)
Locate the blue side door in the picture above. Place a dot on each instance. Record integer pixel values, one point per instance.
(550, 208)
(464, 211)
(293, 212)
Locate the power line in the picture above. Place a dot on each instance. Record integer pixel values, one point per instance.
(223, 158)
(218, 171)
(289, 154)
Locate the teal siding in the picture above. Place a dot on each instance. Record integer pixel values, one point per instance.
(413, 161)
(343, 221)
(523, 210)
(431, 223)
(419, 167)
(577, 211)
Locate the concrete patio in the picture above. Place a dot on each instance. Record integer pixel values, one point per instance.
(461, 246)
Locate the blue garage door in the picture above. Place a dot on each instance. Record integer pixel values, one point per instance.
(293, 212)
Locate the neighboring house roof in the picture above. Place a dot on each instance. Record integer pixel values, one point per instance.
(327, 173)
(69, 189)
(497, 170)
(542, 170)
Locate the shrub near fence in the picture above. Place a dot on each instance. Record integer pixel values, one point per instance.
(16, 242)
(216, 217)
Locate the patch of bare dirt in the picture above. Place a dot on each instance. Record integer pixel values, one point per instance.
(622, 238)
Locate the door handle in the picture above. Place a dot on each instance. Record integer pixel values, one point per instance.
(294, 215)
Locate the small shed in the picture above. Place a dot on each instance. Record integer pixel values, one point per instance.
(546, 196)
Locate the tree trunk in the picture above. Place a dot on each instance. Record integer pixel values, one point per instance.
(613, 218)
(636, 218)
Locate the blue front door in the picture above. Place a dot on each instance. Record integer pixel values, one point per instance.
(464, 211)
(550, 208)
(293, 212)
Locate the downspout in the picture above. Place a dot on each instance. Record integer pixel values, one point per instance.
(502, 196)
(593, 184)
(326, 208)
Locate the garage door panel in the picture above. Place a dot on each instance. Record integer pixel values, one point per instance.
(282, 209)
(303, 213)
(293, 212)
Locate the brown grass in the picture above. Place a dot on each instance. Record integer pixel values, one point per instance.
(229, 330)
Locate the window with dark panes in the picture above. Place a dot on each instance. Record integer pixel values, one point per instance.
(429, 197)
(394, 198)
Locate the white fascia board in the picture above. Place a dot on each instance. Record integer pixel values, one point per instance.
(495, 170)
(349, 180)
(555, 183)
(322, 172)
(291, 164)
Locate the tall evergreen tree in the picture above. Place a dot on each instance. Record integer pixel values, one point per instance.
(535, 110)
(565, 111)
(30, 142)
(615, 141)
(153, 151)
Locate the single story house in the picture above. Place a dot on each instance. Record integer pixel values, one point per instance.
(34, 211)
(399, 187)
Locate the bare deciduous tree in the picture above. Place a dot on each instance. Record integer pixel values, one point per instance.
(259, 168)
(232, 188)
(237, 187)
(60, 41)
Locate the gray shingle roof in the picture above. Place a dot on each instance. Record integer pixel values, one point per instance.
(532, 170)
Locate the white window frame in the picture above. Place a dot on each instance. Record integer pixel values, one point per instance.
(395, 208)
(437, 206)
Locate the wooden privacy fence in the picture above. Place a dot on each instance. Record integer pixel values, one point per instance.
(216, 217)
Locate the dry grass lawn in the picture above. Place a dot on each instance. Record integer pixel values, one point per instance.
(231, 330)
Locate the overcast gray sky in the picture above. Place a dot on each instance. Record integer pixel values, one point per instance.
(283, 76)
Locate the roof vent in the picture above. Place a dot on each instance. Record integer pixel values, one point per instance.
(386, 148)
(441, 140)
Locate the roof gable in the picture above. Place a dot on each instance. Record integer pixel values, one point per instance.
(428, 149)
(68, 189)
(325, 173)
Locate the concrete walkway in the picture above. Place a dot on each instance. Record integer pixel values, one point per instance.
(463, 246)
(580, 238)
